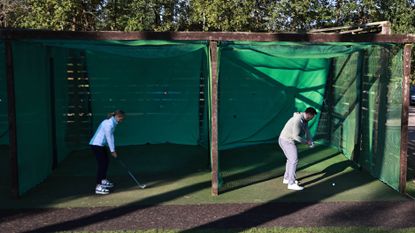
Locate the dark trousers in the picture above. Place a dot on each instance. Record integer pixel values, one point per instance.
(102, 162)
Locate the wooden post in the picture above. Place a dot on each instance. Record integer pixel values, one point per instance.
(214, 117)
(14, 168)
(386, 28)
(404, 116)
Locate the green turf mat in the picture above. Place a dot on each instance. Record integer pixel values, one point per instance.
(187, 180)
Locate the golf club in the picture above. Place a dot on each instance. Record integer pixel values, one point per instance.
(141, 186)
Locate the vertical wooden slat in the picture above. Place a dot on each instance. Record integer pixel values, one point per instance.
(214, 117)
(12, 120)
(404, 116)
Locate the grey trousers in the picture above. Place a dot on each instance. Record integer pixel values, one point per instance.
(290, 151)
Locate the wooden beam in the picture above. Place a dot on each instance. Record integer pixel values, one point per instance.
(214, 117)
(404, 115)
(12, 120)
(210, 36)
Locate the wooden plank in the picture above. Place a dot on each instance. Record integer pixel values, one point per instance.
(14, 168)
(214, 118)
(210, 36)
(404, 115)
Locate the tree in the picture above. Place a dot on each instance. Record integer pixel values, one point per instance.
(204, 15)
(9, 11)
(52, 14)
(401, 14)
(231, 15)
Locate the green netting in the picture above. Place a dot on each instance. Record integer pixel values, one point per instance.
(162, 104)
(163, 87)
(366, 99)
(4, 136)
(381, 113)
(344, 98)
(33, 114)
(262, 84)
(158, 87)
(260, 88)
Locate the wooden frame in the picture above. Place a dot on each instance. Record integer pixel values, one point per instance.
(214, 117)
(405, 115)
(213, 37)
(210, 36)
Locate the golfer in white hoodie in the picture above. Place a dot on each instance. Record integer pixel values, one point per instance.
(290, 135)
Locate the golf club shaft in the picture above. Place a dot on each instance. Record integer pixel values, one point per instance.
(131, 174)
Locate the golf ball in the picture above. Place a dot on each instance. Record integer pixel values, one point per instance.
(333, 184)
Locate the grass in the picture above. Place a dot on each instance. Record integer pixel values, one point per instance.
(410, 188)
(279, 230)
(327, 175)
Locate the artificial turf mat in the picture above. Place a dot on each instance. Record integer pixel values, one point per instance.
(179, 174)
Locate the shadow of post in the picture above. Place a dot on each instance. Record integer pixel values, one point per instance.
(265, 214)
(252, 217)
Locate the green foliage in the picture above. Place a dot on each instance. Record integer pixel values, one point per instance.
(230, 15)
(204, 15)
(50, 14)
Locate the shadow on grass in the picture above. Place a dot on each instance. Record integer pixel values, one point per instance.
(253, 217)
(155, 165)
(254, 164)
(265, 214)
(327, 172)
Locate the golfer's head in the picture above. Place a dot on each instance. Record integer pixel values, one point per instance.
(119, 115)
(310, 113)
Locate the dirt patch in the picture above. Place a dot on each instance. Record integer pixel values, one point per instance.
(212, 216)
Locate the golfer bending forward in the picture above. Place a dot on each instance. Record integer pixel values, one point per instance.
(291, 134)
(104, 136)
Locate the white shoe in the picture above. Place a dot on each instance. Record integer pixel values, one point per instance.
(285, 181)
(101, 190)
(106, 183)
(295, 187)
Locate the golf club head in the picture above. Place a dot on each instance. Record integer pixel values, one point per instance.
(142, 186)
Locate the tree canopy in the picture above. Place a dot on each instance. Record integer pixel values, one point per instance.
(204, 15)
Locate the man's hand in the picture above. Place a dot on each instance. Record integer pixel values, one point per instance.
(114, 154)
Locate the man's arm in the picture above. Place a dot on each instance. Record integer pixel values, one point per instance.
(296, 133)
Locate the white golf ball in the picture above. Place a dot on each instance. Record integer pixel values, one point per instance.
(333, 184)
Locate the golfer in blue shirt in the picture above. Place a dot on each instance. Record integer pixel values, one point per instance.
(104, 136)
